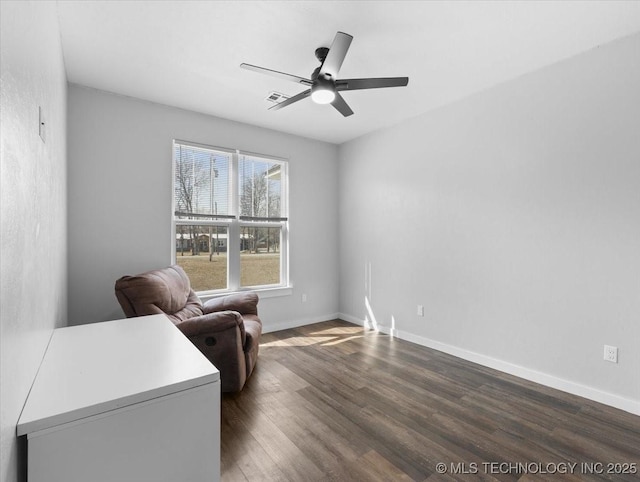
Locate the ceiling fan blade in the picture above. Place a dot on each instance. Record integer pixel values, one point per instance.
(275, 73)
(358, 84)
(291, 100)
(337, 52)
(341, 106)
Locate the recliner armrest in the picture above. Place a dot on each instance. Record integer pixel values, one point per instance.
(245, 303)
(212, 323)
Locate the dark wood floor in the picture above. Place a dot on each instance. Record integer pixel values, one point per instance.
(332, 401)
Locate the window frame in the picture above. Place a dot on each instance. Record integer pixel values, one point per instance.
(233, 222)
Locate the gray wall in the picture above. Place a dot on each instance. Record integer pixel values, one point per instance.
(513, 216)
(120, 161)
(33, 256)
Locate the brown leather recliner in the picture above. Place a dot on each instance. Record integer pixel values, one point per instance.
(226, 330)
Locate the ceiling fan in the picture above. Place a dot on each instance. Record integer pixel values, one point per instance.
(324, 85)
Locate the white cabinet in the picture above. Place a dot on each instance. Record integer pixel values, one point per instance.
(125, 400)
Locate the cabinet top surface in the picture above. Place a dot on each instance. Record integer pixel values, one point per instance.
(95, 368)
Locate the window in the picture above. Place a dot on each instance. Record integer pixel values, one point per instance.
(229, 218)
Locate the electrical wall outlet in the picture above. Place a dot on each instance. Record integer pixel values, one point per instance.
(611, 353)
(304, 298)
(420, 310)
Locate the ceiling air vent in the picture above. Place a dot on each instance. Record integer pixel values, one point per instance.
(276, 97)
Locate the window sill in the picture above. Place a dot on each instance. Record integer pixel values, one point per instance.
(262, 293)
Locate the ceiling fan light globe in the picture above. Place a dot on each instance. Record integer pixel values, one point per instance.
(323, 96)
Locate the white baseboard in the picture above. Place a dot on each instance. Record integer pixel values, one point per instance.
(285, 325)
(616, 401)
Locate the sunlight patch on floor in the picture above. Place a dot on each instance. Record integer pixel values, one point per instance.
(327, 337)
(342, 340)
(338, 331)
(299, 341)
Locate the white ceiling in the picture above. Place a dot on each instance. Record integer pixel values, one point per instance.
(187, 53)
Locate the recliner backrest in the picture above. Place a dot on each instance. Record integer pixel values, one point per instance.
(166, 290)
